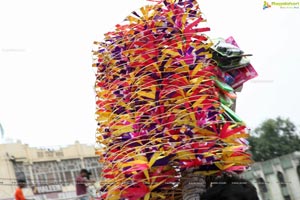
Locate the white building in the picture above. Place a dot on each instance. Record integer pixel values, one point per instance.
(278, 178)
(49, 173)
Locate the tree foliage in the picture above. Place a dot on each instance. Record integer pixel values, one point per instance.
(273, 138)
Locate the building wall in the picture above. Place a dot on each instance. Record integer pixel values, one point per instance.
(294, 179)
(273, 187)
(277, 179)
(45, 167)
(6, 173)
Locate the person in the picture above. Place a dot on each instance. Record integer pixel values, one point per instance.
(81, 184)
(230, 186)
(19, 193)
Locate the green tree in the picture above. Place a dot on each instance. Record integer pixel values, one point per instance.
(273, 138)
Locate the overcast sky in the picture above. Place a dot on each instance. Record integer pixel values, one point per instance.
(46, 78)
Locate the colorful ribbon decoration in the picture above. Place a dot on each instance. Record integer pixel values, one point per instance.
(163, 105)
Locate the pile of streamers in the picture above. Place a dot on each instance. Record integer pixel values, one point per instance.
(163, 105)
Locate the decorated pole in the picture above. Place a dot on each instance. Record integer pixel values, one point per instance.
(163, 93)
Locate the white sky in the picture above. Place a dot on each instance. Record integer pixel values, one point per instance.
(46, 78)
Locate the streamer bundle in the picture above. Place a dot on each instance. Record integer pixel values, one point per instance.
(163, 102)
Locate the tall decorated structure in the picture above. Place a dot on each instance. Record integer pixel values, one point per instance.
(164, 92)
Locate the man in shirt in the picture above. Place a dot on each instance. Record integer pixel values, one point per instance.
(81, 184)
(19, 193)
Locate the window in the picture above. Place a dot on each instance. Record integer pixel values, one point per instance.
(262, 185)
(281, 180)
(40, 154)
(70, 169)
(283, 186)
(41, 179)
(92, 164)
(20, 176)
(63, 179)
(49, 153)
(69, 178)
(51, 178)
(59, 154)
